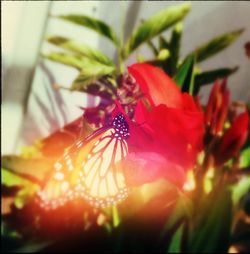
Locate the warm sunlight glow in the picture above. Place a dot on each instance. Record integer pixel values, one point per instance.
(207, 184)
(233, 249)
(189, 185)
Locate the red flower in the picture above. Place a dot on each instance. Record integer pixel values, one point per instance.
(169, 136)
(217, 107)
(156, 85)
(233, 139)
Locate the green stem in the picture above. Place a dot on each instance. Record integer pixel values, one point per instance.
(191, 88)
(121, 64)
(116, 217)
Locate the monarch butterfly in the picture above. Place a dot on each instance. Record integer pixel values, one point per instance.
(89, 169)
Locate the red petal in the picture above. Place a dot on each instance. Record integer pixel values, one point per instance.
(211, 105)
(179, 133)
(156, 85)
(144, 167)
(189, 103)
(141, 137)
(179, 138)
(217, 107)
(141, 113)
(234, 138)
(221, 114)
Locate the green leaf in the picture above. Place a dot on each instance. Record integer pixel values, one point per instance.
(33, 247)
(153, 48)
(155, 25)
(88, 67)
(140, 58)
(30, 169)
(81, 49)
(75, 61)
(93, 24)
(97, 85)
(28, 188)
(184, 74)
(175, 244)
(163, 43)
(210, 229)
(28, 174)
(163, 55)
(245, 158)
(91, 67)
(11, 239)
(11, 179)
(14, 242)
(208, 77)
(191, 82)
(182, 209)
(240, 189)
(174, 48)
(8, 232)
(85, 83)
(91, 74)
(216, 45)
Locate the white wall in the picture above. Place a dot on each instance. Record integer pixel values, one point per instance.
(22, 26)
(25, 23)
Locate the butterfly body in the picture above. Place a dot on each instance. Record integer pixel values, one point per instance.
(90, 169)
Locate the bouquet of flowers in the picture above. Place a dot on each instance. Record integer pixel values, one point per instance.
(149, 168)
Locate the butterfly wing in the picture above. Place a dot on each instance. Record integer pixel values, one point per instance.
(102, 178)
(90, 169)
(61, 184)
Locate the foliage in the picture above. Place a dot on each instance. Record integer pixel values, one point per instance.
(96, 69)
(203, 216)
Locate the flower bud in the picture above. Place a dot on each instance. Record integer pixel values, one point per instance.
(217, 107)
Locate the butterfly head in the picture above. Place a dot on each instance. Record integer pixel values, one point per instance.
(121, 126)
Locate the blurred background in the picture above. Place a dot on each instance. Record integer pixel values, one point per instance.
(32, 108)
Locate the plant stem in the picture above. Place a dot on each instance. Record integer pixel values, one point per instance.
(115, 215)
(121, 65)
